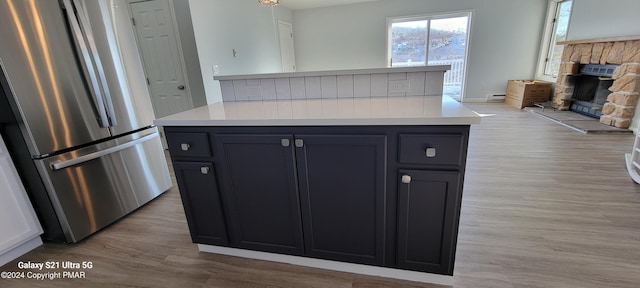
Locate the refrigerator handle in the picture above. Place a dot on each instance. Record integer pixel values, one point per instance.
(85, 26)
(87, 67)
(95, 155)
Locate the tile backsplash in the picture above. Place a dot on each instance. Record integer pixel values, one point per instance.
(422, 83)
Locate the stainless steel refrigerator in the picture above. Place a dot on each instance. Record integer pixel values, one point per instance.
(85, 145)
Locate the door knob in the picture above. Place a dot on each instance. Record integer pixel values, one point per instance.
(185, 147)
(406, 179)
(181, 87)
(204, 170)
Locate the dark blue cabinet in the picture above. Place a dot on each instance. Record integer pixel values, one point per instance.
(201, 200)
(332, 185)
(260, 188)
(342, 191)
(333, 192)
(428, 208)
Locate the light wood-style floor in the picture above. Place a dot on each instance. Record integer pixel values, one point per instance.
(543, 206)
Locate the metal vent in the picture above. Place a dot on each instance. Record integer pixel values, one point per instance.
(598, 70)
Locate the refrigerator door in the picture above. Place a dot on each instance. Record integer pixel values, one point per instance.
(47, 87)
(127, 110)
(92, 187)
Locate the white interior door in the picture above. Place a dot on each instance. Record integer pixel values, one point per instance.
(285, 30)
(156, 37)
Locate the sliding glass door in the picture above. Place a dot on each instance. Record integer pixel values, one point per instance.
(432, 40)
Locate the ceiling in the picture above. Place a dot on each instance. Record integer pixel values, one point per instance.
(306, 4)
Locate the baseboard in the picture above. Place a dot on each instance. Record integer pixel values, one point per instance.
(20, 250)
(474, 100)
(332, 265)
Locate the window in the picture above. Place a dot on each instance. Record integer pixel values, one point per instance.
(431, 40)
(559, 12)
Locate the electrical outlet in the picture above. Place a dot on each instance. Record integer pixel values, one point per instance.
(399, 86)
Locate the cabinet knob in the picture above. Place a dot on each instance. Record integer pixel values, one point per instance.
(285, 142)
(406, 179)
(204, 170)
(430, 152)
(185, 146)
(299, 143)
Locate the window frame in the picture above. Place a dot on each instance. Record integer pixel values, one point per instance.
(429, 17)
(435, 16)
(547, 39)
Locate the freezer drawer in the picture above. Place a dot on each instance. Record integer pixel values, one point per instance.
(92, 187)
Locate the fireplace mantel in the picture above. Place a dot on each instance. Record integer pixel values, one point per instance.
(600, 40)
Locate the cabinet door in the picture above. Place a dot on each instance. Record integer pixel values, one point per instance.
(18, 222)
(428, 204)
(261, 192)
(201, 200)
(342, 190)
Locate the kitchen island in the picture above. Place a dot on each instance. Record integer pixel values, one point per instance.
(364, 185)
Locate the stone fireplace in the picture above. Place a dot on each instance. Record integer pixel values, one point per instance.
(591, 89)
(624, 90)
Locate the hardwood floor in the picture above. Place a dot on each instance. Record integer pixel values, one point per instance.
(543, 206)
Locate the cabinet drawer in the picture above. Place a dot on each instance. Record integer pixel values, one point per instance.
(189, 144)
(441, 149)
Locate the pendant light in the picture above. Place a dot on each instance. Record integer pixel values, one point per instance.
(269, 3)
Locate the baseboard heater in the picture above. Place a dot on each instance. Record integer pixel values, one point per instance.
(496, 97)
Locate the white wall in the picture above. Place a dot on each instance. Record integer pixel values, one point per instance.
(222, 25)
(504, 43)
(600, 19)
(187, 41)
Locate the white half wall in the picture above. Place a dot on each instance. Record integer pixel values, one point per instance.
(504, 43)
(222, 26)
(592, 19)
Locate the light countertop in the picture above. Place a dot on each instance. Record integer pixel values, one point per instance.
(414, 110)
(433, 68)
